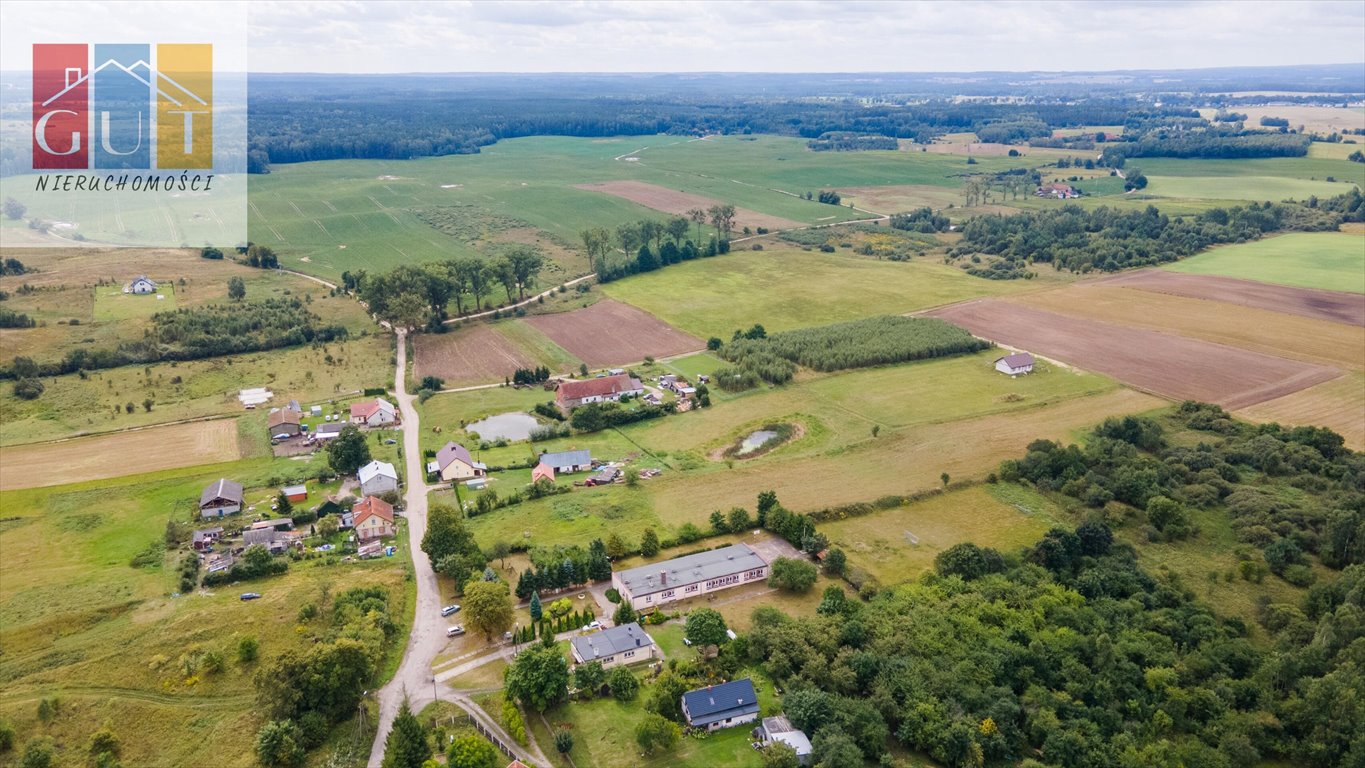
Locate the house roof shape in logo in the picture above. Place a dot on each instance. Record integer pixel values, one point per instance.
(145, 80)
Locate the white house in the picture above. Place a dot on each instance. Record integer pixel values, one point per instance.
(1015, 364)
(657, 583)
(141, 285)
(374, 413)
(377, 477)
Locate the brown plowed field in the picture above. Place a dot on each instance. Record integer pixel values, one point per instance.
(1174, 366)
(1335, 306)
(679, 203)
(612, 333)
(474, 355)
(1292, 336)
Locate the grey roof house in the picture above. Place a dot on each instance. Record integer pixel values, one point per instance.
(626, 644)
(221, 498)
(567, 461)
(721, 706)
(650, 585)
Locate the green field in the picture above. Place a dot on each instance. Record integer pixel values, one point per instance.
(110, 641)
(1243, 187)
(112, 304)
(1333, 261)
(785, 287)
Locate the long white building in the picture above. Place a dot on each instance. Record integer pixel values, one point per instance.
(705, 572)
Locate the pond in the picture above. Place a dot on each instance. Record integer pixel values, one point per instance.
(504, 426)
(756, 440)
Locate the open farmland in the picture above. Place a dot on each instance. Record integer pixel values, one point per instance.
(1328, 261)
(481, 353)
(118, 454)
(1173, 366)
(1240, 187)
(1338, 404)
(678, 203)
(785, 287)
(612, 333)
(1210, 318)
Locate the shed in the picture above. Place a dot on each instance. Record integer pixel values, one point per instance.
(542, 471)
(295, 492)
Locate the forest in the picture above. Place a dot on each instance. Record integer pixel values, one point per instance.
(1109, 239)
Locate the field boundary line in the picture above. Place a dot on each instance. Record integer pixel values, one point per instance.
(142, 428)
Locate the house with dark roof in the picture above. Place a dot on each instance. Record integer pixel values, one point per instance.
(283, 422)
(1015, 364)
(327, 431)
(626, 644)
(204, 538)
(272, 539)
(651, 585)
(572, 394)
(565, 462)
(721, 706)
(223, 497)
(454, 463)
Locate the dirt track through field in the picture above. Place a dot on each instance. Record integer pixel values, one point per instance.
(118, 454)
(1174, 366)
(679, 203)
(1334, 306)
(612, 333)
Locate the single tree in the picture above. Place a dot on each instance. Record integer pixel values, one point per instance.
(348, 451)
(649, 543)
(624, 686)
(472, 751)
(792, 574)
(563, 742)
(705, 626)
(654, 734)
(283, 506)
(488, 607)
(236, 288)
(147, 404)
(538, 677)
(279, 743)
(536, 610)
(406, 746)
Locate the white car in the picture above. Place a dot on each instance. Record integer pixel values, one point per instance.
(593, 626)
(449, 609)
(455, 631)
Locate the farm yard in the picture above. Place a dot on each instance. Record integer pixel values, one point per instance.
(107, 456)
(612, 333)
(1173, 366)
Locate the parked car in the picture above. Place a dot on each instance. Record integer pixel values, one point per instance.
(454, 631)
(390, 441)
(449, 609)
(593, 626)
(251, 595)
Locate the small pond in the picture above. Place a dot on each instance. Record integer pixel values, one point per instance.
(756, 440)
(504, 426)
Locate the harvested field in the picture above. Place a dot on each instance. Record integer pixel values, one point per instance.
(122, 453)
(1295, 337)
(1169, 365)
(1338, 404)
(476, 354)
(612, 333)
(679, 203)
(1334, 306)
(902, 197)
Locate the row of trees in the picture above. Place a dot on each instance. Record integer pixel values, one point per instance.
(416, 296)
(654, 243)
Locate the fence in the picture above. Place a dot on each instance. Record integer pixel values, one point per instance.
(470, 720)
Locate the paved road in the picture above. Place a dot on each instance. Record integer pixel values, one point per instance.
(414, 679)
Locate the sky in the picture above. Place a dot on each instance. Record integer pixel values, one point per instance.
(717, 36)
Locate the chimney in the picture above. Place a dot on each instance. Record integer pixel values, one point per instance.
(663, 577)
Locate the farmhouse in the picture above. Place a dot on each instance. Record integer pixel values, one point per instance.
(375, 413)
(567, 462)
(626, 644)
(140, 285)
(377, 477)
(542, 472)
(572, 394)
(1015, 364)
(1057, 190)
(454, 463)
(283, 422)
(295, 492)
(221, 498)
(205, 537)
(703, 573)
(779, 729)
(373, 519)
(721, 706)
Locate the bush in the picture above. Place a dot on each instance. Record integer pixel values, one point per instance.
(792, 574)
(623, 685)
(28, 389)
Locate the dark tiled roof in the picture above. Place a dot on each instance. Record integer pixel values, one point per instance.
(566, 458)
(609, 642)
(718, 702)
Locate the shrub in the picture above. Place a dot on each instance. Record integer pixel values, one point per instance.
(623, 685)
(792, 574)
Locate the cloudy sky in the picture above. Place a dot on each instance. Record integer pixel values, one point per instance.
(724, 35)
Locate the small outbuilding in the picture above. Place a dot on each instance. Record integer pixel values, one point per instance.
(1015, 364)
(285, 421)
(780, 730)
(295, 492)
(567, 462)
(542, 471)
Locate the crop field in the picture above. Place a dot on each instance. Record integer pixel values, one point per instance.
(1316, 166)
(110, 641)
(1313, 119)
(1209, 318)
(784, 287)
(678, 203)
(485, 353)
(1173, 366)
(112, 304)
(71, 405)
(612, 333)
(118, 454)
(1330, 261)
(1242, 187)
(1338, 404)
(898, 544)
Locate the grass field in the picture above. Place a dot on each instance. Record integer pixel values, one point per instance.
(111, 641)
(898, 544)
(785, 287)
(71, 405)
(1258, 188)
(112, 304)
(1333, 261)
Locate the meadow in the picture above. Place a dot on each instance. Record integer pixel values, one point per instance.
(784, 287)
(1333, 261)
(112, 304)
(114, 642)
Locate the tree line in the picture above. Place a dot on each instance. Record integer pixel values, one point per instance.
(418, 296)
(649, 244)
